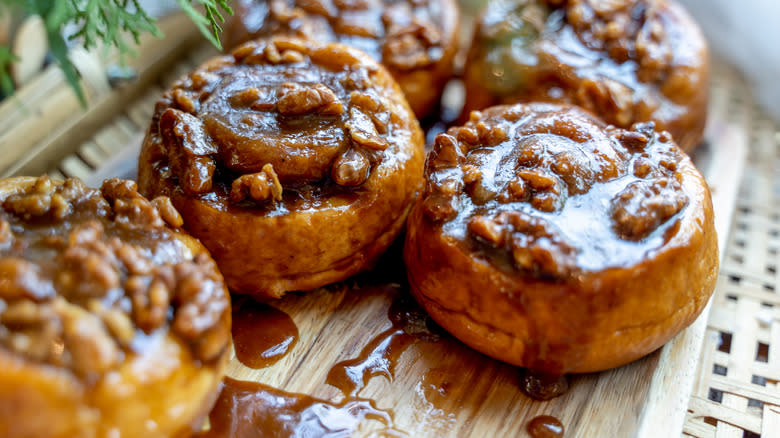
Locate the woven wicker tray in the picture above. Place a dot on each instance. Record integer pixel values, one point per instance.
(730, 386)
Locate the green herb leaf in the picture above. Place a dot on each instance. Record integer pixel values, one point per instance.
(105, 22)
(213, 18)
(6, 58)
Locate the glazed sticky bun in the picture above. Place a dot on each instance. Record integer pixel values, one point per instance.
(627, 61)
(416, 40)
(294, 162)
(553, 241)
(113, 322)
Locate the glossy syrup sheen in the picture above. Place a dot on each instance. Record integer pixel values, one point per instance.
(380, 356)
(253, 410)
(262, 334)
(545, 426)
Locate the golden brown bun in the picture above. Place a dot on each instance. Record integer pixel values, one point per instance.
(551, 241)
(597, 55)
(303, 193)
(415, 40)
(86, 348)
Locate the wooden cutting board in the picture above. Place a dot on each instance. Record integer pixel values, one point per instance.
(434, 386)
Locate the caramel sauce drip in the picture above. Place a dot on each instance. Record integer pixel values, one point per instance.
(541, 386)
(545, 426)
(253, 410)
(381, 355)
(262, 334)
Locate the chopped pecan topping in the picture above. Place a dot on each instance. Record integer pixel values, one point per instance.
(532, 195)
(42, 201)
(78, 298)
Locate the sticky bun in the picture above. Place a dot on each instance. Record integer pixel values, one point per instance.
(112, 322)
(294, 162)
(627, 61)
(416, 40)
(550, 240)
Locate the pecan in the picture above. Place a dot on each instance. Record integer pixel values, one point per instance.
(260, 186)
(34, 329)
(6, 234)
(167, 211)
(644, 205)
(632, 140)
(136, 213)
(446, 152)
(357, 25)
(203, 79)
(350, 169)
(536, 245)
(150, 299)
(471, 174)
(318, 7)
(369, 103)
(20, 279)
(200, 309)
(116, 321)
(91, 348)
(191, 158)
(186, 101)
(515, 190)
(363, 131)
(487, 230)
(133, 260)
(642, 167)
(298, 100)
(537, 179)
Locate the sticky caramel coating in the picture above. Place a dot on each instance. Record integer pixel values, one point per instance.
(549, 240)
(416, 40)
(294, 162)
(627, 61)
(104, 306)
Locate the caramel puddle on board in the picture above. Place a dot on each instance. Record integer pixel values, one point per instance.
(253, 410)
(545, 426)
(262, 334)
(380, 356)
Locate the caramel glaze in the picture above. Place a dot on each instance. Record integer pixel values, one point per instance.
(535, 221)
(415, 39)
(308, 150)
(253, 410)
(545, 426)
(379, 357)
(627, 61)
(262, 334)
